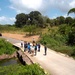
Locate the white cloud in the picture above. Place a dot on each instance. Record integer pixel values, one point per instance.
(41, 5)
(72, 4)
(6, 20)
(29, 5)
(32, 4)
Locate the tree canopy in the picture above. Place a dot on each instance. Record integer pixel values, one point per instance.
(21, 19)
(33, 18)
(71, 11)
(37, 19)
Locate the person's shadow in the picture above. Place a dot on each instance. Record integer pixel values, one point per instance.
(44, 54)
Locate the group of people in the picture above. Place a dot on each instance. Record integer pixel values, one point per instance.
(33, 48)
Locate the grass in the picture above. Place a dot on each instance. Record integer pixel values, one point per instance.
(33, 69)
(6, 47)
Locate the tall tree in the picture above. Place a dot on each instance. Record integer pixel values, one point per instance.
(36, 18)
(71, 35)
(21, 20)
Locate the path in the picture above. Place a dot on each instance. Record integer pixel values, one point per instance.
(53, 62)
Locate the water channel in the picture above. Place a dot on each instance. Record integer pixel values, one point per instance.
(7, 62)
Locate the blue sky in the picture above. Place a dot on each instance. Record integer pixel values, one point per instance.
(51, 8)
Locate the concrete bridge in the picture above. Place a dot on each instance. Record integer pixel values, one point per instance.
(54, 63)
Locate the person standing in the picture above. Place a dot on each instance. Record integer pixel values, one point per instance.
(45, 49)
(33, 41)
(29, 49)
(21, 43)
(35, 49)
(38, 47)
(25, 46)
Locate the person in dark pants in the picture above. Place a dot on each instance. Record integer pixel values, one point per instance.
(45, 48)
(29, 49)
(21, 43)
(35, 49)
(25, 46)
(38, 47)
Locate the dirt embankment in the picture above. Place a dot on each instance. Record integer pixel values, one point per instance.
(6, 56)
(21, 37)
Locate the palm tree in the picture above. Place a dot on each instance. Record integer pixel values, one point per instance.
(71, 35)
(71, 11)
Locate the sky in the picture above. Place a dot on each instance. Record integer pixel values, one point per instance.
(50, 8)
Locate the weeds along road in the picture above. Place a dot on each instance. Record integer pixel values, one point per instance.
(54, 63)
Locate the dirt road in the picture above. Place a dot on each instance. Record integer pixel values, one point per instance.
(21, 37)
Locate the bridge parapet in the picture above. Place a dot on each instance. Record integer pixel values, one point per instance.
(24, 58)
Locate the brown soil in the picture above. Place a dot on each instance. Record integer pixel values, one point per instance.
(6, 56)
(21, 37)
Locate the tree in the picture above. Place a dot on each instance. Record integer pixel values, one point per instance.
(60, 20)
(36, 18)
(71, 35)
(71, 11)
(31, 29)
(21, 20)
(68, 20)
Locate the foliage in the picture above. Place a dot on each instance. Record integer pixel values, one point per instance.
(21, 19)
(32, 30)
(12, 28)
(36, 18)
(33, 69)
(64, 29)
(71, 11)
(6, 47)
(71, 36)
(58, 41)
(69, 20)
(33, 18)
(60, 20)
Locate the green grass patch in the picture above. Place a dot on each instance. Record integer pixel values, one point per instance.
(33, 69)
(6, 47)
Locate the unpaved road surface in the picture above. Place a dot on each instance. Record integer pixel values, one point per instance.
(54, 63)
(21, 37)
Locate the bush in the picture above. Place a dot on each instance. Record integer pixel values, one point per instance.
(6, 47)
(58, 43)
(71, 37)
(33, 69)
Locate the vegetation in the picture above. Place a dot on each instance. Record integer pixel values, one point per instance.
(33, 18)
(10, 28)
(59, 40)
(32, 30)
(33, 69)
(6, 47)
(71, 11)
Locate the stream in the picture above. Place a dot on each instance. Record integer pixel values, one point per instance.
(7, 62)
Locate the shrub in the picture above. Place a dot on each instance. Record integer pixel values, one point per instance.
(58, 43)
(33, 69)
(6, 47)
